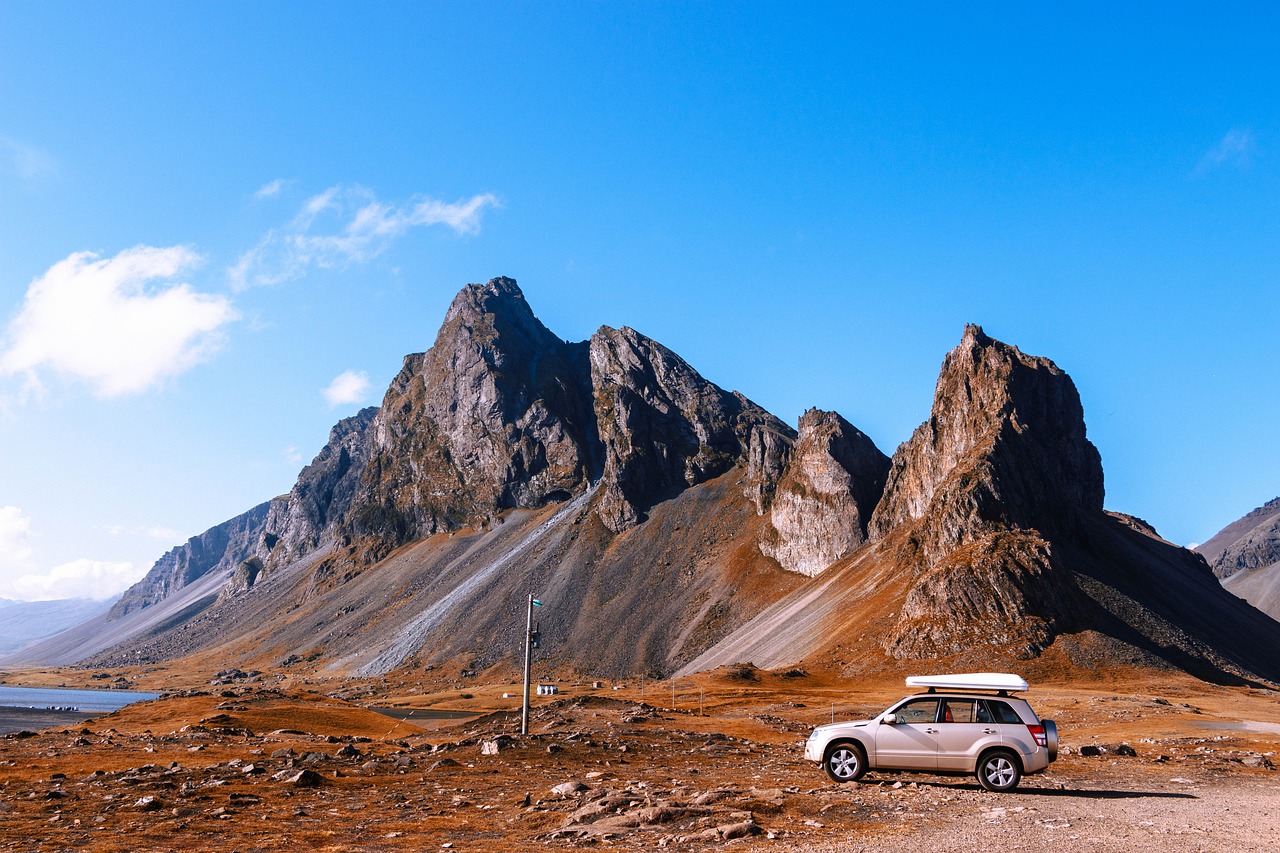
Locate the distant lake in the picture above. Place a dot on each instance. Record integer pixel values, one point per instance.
(91, 701)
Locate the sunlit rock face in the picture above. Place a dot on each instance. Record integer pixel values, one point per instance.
(1249, 544)
(1000, 470)
(821, 506)
(310, 517)
(497, 414)
(1004, 444)
(665, 428)
(219, 549)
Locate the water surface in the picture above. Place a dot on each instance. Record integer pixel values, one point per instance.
(92, 701)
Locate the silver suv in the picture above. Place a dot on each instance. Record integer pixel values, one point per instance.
(962, 724)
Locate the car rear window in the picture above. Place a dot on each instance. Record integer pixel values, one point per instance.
(958, 711)
(1001, 712)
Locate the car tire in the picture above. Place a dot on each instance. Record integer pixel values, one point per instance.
(845, 761)
(998, 770)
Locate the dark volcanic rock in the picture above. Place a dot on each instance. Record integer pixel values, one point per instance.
(1000, 468)
(665, 428)
(220, 548)
(496, 414)
(834, 478)
(1004, 446)
(311, 516)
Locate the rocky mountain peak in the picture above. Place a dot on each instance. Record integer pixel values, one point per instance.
(496, 414)
(977, 496)
(1251, 542)
(665, 428)
(821, 506)
(1005, 442)
(311, 516)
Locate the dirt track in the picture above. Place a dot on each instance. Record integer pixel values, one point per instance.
(220, 771)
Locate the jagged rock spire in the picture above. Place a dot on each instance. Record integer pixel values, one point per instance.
(834, 478)
(665, 428)
(496, 414)
(1004, 444)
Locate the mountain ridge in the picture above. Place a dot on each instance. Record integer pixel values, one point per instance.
(666, 521)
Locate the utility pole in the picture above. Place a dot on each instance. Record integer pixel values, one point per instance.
(531, 640)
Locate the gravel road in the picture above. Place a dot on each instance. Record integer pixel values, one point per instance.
(1173, 814)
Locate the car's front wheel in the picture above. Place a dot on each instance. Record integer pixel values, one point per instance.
(845, 762)
(999, 771)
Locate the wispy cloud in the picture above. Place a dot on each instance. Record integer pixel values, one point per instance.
(160, 534)
(1234, 149)
(271, 189)
(15, 539)
(81, 578)
(348, 225)
(26, 161)
(348, 388)
(21, 578)
(292, 455)
(104, 321)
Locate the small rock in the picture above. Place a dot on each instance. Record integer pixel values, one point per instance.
(568, 789)
(299, 778)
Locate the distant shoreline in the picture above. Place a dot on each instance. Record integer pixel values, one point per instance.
(34, 719)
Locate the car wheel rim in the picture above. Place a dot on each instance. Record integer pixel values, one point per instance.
(844, 763)
(1000, 772)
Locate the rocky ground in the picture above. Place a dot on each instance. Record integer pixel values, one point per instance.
(1166, 765)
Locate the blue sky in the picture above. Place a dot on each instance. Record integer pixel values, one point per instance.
(213, 214)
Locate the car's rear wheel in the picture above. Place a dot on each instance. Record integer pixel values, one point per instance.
(845, 762)
(998, 770)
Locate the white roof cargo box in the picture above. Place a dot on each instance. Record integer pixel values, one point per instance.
(1003, 681)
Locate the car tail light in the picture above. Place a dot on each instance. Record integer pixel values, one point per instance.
(1037, 732)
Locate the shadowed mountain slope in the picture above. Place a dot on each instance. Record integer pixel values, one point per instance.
(669, 525)
(990, 548)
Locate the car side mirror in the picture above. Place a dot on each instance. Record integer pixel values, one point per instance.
(890, 719)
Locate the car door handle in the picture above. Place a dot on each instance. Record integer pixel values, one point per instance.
(931, 731)
(990, 732)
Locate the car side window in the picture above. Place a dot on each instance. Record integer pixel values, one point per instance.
(1002, 713)
(918, 711)
(957, 711)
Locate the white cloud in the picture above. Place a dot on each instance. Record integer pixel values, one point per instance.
(78, 579)
(348, 225)
(270, 189)
(1235, 149)
(347, 388)
(292, 455)
(15, 539)
(21, 578)
(160, 534)
(105, 322)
